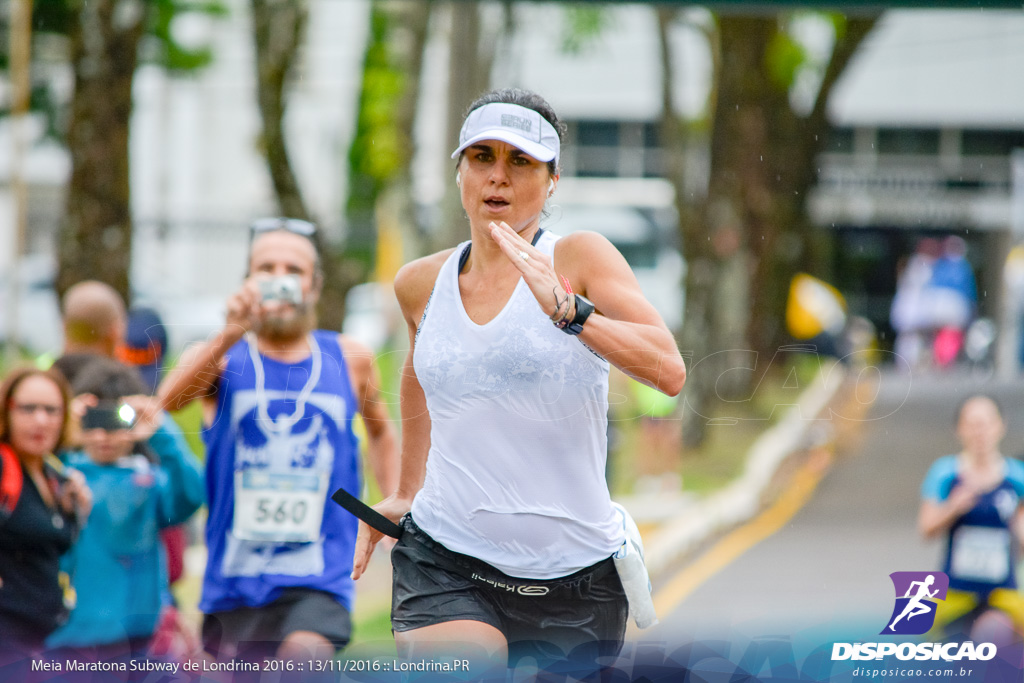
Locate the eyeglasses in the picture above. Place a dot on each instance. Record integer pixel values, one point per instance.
(296, 226)
(32, 408)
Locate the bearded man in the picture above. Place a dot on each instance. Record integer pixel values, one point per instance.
(279, 401)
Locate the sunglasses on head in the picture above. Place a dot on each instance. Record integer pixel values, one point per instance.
(296, 226)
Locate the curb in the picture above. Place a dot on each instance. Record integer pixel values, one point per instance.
(694, 522)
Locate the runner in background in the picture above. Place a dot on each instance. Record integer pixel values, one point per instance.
(975, 501)
(280, 396)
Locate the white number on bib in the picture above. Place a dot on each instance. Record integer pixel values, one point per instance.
(279, 507)
(981, 554)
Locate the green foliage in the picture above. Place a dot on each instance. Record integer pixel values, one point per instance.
(42, 99)
(52, 16)
(582, 27)
(172, 55)
(838, 20)
(783, 59)
(377, 149)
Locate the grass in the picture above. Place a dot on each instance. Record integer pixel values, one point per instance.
(737, 425)
(371, 630)
(732, 429)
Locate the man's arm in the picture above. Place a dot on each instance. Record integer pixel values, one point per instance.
(199, 369)
(197, 373)
(382, 440)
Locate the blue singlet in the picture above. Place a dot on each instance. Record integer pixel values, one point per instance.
(279, 477)
(981, 548)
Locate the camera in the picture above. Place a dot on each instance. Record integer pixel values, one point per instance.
(286, 289)
(109, 416)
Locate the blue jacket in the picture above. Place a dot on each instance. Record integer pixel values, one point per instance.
(117, 567)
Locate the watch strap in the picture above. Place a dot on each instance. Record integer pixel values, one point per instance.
(584, 308)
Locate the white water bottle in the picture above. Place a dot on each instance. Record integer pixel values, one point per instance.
(629, 563)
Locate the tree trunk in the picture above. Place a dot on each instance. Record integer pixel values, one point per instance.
(279, 28)
(693, 338)
(470, 59)
(96, 239)
(753, 234)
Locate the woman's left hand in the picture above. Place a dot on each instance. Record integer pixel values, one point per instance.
(534, 265)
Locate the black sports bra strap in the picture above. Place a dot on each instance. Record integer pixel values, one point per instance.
(464, 256)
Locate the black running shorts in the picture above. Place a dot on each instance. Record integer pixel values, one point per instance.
(256, 632)
(580, 616)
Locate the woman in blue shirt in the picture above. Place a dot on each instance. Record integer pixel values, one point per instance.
(975, 500)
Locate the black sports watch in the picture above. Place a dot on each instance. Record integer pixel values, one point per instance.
(583, 310)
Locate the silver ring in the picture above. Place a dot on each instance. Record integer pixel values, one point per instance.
(523, 255)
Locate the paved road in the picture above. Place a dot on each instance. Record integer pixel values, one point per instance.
(827, 569)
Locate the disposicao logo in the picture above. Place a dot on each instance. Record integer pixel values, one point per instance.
(916, 596)
(913, 614)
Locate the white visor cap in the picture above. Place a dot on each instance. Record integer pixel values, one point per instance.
(518, 126)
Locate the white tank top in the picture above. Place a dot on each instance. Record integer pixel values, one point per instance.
(518, 437)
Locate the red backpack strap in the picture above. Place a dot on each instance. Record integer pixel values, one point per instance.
(11, 480)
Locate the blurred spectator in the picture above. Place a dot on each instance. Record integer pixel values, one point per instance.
(120, 575)
(1013, 280)
(952, 295)
(145, 345)
(910, 314)
(94, 325)
(730, 297)
(658, 457)
(42, 507)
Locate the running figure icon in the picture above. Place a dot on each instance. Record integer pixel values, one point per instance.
(916, 606)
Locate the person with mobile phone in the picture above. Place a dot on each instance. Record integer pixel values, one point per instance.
(42, 508)
(118, 566)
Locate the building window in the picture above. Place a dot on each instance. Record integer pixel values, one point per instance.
(614, 149)
(839, 140)
(991, 142)
(908, 141)
(597, 133)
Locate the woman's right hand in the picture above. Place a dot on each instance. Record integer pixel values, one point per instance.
(962, 498)
(244, 307)
(392, 507)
